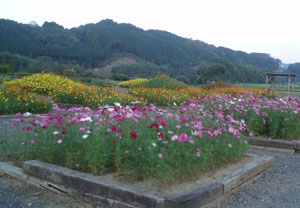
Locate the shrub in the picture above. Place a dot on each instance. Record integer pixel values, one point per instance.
(69, 73)
(119, 77)
(163, 81)
(5, 69)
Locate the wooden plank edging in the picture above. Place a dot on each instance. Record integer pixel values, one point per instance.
(276, 143)
(97, 190)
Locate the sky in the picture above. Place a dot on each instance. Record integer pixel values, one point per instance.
(264, 26)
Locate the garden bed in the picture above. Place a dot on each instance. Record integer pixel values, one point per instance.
(99, 190)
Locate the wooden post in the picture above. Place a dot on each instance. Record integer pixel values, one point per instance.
(267, 81)
(294, 83)
(289, 85)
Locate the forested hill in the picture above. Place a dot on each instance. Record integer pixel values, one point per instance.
(90, 45)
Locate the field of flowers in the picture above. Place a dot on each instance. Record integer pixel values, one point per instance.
(132, 83)
(161, 81)
(90, 96)
(58, 89)
(138, 142)
(14, 99)
(43, 83)
(164, 96)
(134, 135)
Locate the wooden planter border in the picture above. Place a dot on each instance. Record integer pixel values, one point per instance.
(97, 190)
(276, 143)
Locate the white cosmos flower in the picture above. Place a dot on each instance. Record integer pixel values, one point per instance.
(55, 132)
(27, 114)
(153, 144)
(85, 136)
(86, 119)
(117, 104)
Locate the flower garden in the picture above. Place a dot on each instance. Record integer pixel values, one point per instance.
(161, 129)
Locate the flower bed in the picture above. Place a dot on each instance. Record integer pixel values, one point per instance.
(43, 83)
(90, 96)
(14, 99)
(131, 141)
(132, 83)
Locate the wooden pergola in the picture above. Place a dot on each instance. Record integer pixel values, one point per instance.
(271, 76)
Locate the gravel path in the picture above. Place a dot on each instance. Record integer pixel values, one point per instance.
(16, 194)
(277, 188)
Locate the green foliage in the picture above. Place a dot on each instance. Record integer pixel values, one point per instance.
(183, 79)
(96, 82)
(273, 124)
(5, 69)
(69, 73)
(119, 77)
(142, 69)
(163, 81)
(90, 45)
(294, 69)
(218, 84)
(221, 69)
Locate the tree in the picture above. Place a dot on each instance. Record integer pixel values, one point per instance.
(5, 69)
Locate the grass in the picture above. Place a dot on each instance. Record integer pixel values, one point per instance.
(280, 88)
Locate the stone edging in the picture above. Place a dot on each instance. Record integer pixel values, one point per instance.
(276, 143)
(97, 190)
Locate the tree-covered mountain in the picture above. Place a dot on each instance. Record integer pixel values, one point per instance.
(90, 45)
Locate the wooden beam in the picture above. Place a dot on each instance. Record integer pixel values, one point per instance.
(289, 86)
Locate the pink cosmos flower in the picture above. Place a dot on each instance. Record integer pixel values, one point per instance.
(198, 154)
(173, 138)
(59, 141)
(251, 134)
(169, 115)
(160, 155)
(34, 141)
(133, 134)
(183, 137)
(163, 123)
(178, 127)
(135, 102)
(231, 130)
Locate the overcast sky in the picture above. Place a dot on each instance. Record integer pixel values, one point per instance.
(267, 26)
